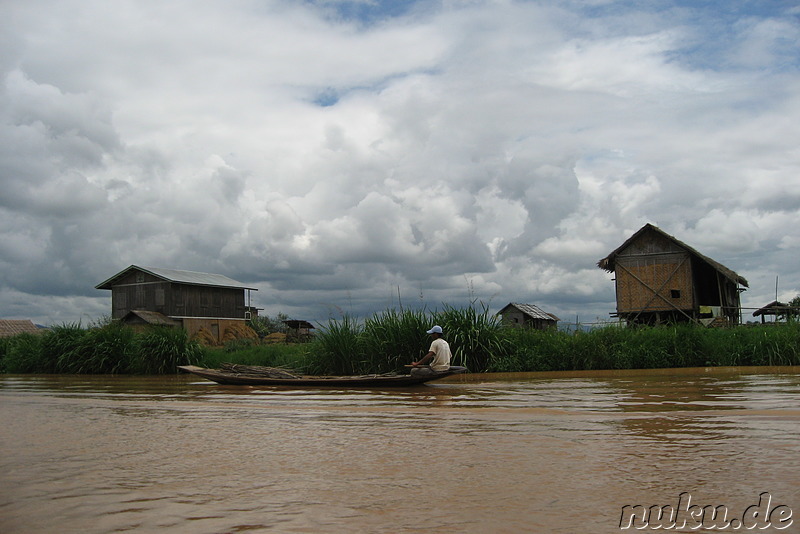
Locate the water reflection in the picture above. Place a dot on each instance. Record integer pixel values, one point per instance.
(555, 452)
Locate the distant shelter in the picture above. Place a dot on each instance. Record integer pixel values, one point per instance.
(527, 316)
(298, 330)
(779, 311)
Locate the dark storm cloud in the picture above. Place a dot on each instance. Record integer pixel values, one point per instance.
(347, 155)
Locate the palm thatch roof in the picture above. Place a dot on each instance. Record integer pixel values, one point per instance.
(609, 262)
(776, 308)
(13, 327)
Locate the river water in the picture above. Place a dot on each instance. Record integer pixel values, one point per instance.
(533, 452)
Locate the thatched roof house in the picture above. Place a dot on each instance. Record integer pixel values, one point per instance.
(13, 327)
(778, 310)
(659, 279)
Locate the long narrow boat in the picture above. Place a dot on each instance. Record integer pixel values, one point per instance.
(257, 376)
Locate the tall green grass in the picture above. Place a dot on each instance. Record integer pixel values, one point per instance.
(290, 356)
(102, 350)
(22, 354)
(615, 347)
(475, 336)
(107, 349)
(391, 339)
(161, 350)
(340, 348)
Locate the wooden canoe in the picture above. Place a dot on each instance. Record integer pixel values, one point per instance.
(223, 376)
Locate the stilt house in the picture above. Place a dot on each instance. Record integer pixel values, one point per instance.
(661, 279)
(298, 330)
(169, 297)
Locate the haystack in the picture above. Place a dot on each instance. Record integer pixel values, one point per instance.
(238, 331)
(205, 337)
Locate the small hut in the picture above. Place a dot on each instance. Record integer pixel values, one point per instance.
(661, 279)
(298, 330)
(779, 311)
(527, 316)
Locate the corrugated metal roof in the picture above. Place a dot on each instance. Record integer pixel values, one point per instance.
(532, 311)
(181, 277)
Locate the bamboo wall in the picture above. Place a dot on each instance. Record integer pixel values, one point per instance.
(661, 282)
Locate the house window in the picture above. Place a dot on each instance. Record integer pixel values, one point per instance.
(675, 293)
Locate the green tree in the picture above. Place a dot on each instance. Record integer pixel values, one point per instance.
(265, 325)
(794, 313)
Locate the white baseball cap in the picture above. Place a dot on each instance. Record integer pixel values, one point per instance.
(435, 330)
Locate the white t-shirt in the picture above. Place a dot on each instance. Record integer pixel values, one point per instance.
(441, 358)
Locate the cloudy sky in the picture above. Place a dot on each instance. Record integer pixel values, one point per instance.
(355, 156)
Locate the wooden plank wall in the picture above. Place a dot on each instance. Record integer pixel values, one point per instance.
(178, 300)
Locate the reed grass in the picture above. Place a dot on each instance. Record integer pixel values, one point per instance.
(160, 350)
(388, 340)
(103, 350)
(392, 339)
(615, 347)
(475, 336)
(340, 348)
(106, 349)
(22, 354)
(61, 347)
(288, 356)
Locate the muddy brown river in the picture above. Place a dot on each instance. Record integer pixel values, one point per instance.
(516, 453)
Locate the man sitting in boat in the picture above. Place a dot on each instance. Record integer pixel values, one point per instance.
(439, 355)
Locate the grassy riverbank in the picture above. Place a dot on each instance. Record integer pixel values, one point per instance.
(391, 339)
